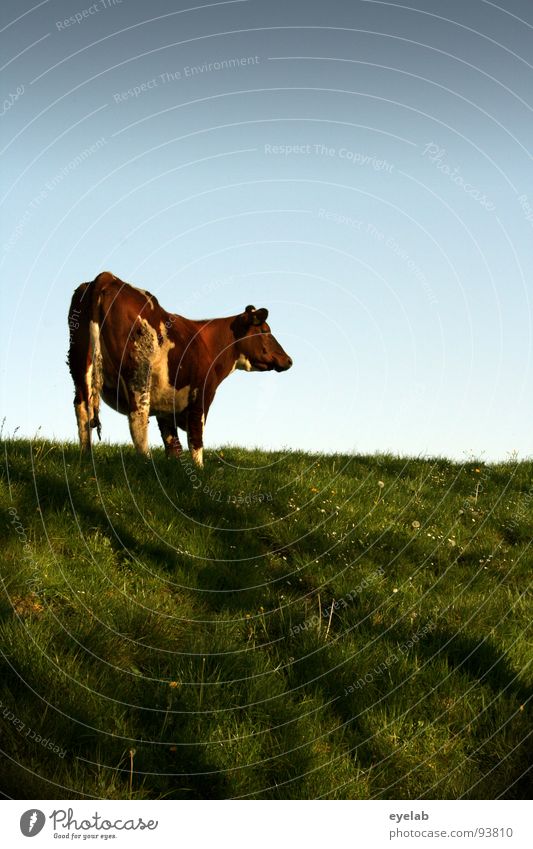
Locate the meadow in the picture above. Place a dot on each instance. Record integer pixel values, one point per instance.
(279, 625)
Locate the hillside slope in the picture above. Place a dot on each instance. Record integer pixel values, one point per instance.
(277, 626)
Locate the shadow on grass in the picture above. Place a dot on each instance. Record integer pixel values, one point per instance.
(352, 698)
(236, 587)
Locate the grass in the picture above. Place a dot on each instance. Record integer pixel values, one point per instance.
(278, 626)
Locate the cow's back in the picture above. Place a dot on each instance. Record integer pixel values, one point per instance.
(119, 310)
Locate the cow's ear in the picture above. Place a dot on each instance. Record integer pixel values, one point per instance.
(260, 316)
(247, 317)
(251, 316)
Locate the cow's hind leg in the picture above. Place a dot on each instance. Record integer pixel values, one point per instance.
(80, 360)
(138, 422)
(169, 434)
(83, 418)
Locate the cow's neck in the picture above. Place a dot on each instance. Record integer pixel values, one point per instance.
(220, 341)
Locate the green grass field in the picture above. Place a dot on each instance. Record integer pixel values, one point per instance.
(278, 626)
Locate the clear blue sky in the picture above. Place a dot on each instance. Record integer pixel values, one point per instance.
(362, 169)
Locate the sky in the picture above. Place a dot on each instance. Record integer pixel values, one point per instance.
(361, 169)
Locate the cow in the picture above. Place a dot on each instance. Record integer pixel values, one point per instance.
(144, 361)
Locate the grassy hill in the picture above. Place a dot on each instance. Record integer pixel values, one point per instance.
(277, 626)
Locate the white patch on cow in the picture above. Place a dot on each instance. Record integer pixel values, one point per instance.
(150, 385)
(242, 363)
(89, 380)
(90, 408)
(95, 372)
(84, 431)
(197, 455)
(164, 398)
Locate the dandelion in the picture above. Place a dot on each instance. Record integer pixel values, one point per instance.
(314, 489)
(173, 684)
(380, 485)
(415, 524)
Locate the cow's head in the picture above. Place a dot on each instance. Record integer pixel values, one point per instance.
(255, 347)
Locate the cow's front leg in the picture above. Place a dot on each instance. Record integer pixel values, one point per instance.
(195, 436)
(138, 422)
(169, 435)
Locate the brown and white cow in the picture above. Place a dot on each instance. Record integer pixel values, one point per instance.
(144, 361)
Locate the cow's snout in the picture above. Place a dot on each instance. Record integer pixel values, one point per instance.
(283, 364)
